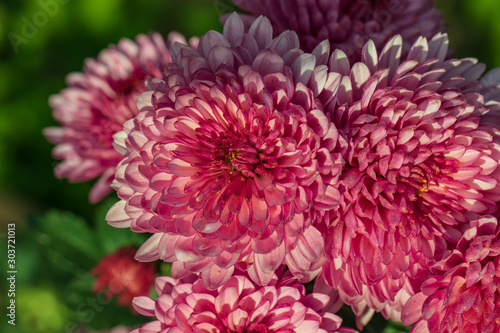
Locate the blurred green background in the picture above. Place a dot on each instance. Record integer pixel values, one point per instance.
(37, 50)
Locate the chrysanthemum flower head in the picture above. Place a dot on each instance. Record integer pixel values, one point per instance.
(463, 294)
(120, 274)
(232, 159)
(419, 165)
(95, 105)
(239, 305)
(349, 24)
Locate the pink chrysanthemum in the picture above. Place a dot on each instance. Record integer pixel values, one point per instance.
(237, 306)
(349, 24)
(120, 274)
(419, 166)
(463, 295)
(96, 104)
(232, 158)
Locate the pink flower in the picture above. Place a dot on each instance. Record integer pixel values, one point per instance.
(95, 106)
(419, 166)
(349, 24)
(237, 306)
(120, 274)
(232, 159)
(463, 294)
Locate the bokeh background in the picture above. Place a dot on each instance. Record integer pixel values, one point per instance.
(59, 235)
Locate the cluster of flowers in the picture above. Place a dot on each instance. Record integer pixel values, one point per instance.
(334, 141)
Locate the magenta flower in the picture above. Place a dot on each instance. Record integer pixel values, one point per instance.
(463, 294)
(419, 166)
(349, 24)
(96, 104)
(237, 306)
(232, 158)
(120, 274)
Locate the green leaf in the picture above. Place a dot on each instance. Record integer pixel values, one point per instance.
(67, 239)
